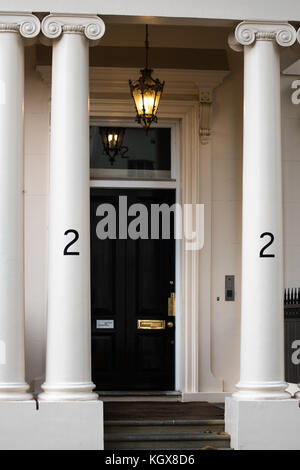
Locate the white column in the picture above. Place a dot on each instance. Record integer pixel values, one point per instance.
(68, 368)
(262, 339)
(298, 39)
(13, 28)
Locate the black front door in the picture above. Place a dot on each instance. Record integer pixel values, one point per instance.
(133, 331)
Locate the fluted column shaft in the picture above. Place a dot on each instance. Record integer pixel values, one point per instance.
(13, 29)
(68, 368)
(262, 317)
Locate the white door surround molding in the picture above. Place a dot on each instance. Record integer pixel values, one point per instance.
(193, 342)
(180, 85)
(185, 92)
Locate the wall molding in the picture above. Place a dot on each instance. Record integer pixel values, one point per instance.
(108, 80)
(185, 85)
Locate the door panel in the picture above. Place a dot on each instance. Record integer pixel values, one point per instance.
(107, 301)
(130, 281)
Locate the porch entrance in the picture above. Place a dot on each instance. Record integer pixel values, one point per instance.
(133, 327)
(164, 425)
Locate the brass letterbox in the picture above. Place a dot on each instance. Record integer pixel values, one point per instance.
(151, 325)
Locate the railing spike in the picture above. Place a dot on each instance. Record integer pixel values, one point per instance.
(284, 297)
(292, 296)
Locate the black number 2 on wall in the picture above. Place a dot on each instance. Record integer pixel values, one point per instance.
(262, 253)
(74, 240)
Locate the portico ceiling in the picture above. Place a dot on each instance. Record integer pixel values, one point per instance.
(216, 10)
(170, 58)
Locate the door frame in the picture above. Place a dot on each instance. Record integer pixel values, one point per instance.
(185, 91)
(166, 318)
(129, 183)
(173, 183)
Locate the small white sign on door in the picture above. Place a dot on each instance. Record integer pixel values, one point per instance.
(108, 324)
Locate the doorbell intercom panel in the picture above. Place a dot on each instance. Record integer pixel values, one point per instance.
(229, 288)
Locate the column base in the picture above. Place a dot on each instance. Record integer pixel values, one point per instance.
(261, 391)
(68, 392)
(14, 392)
(263, 424)
(53, 426)
(297, 395)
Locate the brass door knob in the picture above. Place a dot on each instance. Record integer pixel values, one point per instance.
(170, 324)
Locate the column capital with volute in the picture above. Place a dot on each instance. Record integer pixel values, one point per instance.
(298, 35)
(91, 26)
(248, 32)
(24, 23)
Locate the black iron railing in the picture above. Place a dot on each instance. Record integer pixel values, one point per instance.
(292, 296)
(292, 334)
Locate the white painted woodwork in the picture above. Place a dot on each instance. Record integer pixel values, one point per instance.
(193, 311)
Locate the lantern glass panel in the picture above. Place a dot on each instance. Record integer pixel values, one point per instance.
(147, 102)
(146, 93)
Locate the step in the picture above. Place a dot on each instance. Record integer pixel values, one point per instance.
(177, 441)
(168, 426)
(127, 396)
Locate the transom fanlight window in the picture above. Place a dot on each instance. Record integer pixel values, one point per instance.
(128, 152)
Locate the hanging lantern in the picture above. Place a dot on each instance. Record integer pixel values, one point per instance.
(112, 140)
(146, 93)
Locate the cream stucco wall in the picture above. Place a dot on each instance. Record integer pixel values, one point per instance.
(291, 182)
(37, 105)
(227, 212)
